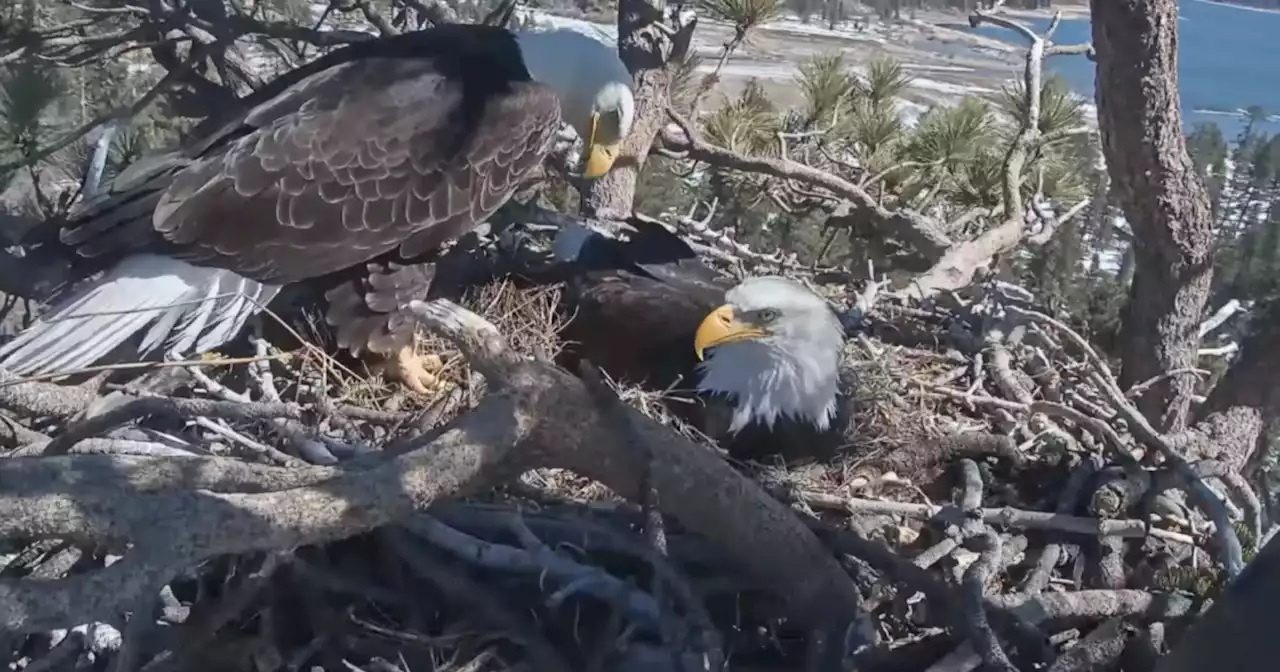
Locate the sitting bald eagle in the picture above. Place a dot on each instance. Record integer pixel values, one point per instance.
(763, 355)
(347, 174)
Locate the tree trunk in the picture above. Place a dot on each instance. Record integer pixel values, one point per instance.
(652, 56)
(1173, 239)
(1161, 194)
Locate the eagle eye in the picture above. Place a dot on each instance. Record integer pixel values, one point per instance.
(767, 315)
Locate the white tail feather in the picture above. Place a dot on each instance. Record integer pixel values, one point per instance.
(184, 305)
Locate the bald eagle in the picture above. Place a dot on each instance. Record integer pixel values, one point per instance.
(762, 356)
(347, 174)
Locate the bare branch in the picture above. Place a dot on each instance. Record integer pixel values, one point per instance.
(534, 415)
(915, 229)
(1221, 315)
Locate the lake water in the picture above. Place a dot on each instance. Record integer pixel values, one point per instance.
(1229, 59)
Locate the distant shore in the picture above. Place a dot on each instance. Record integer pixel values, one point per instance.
(946, 60)
(1238, 5)
(1069, 12)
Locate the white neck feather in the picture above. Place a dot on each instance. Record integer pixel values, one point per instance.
(768, 382)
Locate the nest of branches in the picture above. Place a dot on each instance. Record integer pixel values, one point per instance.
(276, 512)
(1001, 502)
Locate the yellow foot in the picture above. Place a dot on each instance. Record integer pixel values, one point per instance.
(417, 372)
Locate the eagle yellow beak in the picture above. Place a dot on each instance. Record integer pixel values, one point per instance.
(722, 327)
(600, 157)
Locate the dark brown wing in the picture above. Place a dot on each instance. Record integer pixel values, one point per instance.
(499, 165)
(636, 329)
(635, 306)
(366, 158)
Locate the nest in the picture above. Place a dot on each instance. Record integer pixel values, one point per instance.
(269, 513)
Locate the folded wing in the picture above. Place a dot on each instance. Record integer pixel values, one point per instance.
(376, 159)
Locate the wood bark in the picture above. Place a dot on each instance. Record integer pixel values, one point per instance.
(652, 51)
(1172, 254)
(1163, 199)
(177, 512)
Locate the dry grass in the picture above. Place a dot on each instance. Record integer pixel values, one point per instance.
(528, 317)
(895, 425)
(889, 417)
(892, 426)
(888, 411)
(887, 414)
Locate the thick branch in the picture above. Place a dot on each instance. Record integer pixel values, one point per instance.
(1230, 423)
(653, 50)
(174, 529)
(1238, 631)
(961, 263)
(178, 511)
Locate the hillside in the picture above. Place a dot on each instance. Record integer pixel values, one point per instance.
(945, 60)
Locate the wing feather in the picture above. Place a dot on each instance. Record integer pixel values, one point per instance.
(365, 311)
(635, 304)
(513, 139)
(372, 154)
(515, 133)
(363, 158)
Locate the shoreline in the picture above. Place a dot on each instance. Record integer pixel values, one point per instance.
(1069, 12)
(1247, 8)
(946, 63)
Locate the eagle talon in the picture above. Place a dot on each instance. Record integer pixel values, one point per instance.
(414, 371)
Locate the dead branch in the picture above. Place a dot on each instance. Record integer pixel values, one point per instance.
(958, 266)
(951, 264)
(992, 385)
(534, 416)
(1003, 517)
(1229, 544)
(923, 234)
(459, 587)
(975, 581)
(1100, 649)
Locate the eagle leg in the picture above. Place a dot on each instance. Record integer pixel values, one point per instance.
(417, 372)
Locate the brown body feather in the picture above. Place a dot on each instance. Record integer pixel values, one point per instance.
(635, 305)
(346, 174)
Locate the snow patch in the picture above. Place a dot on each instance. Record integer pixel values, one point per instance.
(789, 71)
(845, 30)
(545, 21)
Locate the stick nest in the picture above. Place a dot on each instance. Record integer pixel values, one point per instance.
(272, 514)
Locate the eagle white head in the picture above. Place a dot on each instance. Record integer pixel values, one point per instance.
(594, 87)
(774, 346)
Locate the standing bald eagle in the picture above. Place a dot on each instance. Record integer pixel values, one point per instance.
(762, 355)
(347, 174)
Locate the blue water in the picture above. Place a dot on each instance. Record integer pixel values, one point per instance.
(1228, 60)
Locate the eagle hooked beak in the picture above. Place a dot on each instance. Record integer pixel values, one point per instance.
(600, 157)
(721, 327)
